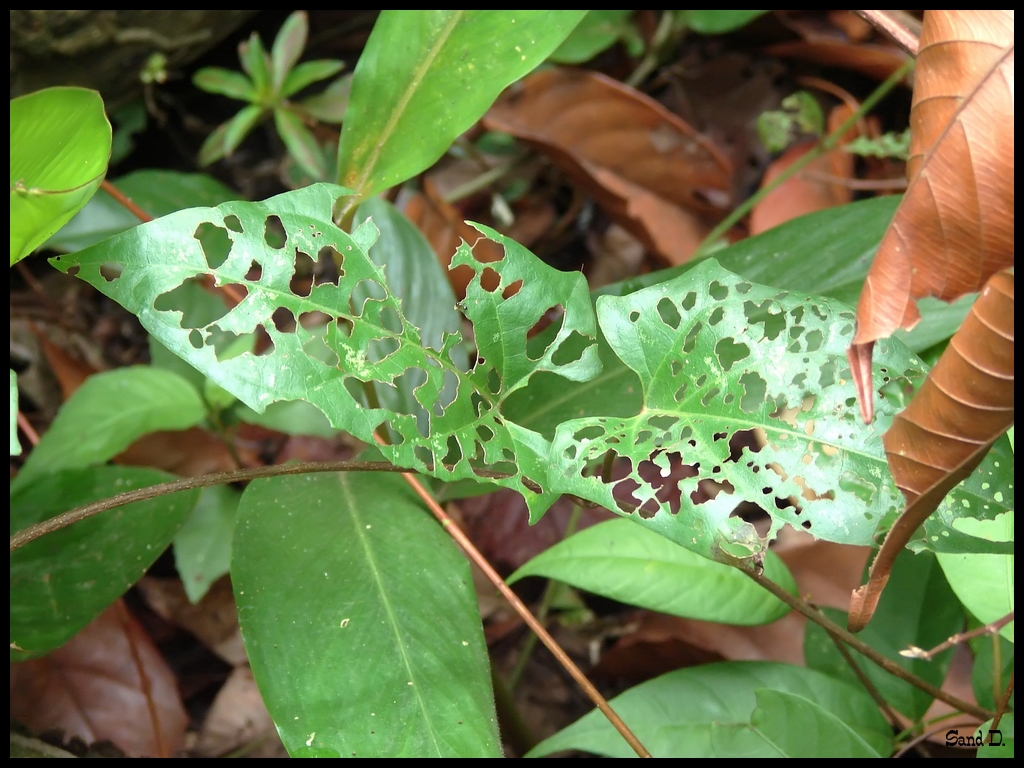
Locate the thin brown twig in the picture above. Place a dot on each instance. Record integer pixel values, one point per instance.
(922, 737)
(913, 652)
(125, 202)
(495, 578)
(873, 692)
(899, 26)
(860, 646)
(63, 520)
(860, 185)
(1001, 705)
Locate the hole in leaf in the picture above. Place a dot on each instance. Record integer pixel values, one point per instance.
(571, 349)
(195, 338)
(681, 393)
(729, 352)
(316, 347)
(329, 267)
(676, 367)
(302, 277)
(489, 280)
(589, 433)
(73, 270)
(454, 454)
(424, 456)
(743, 287)
(190, 300)
(668, 313)
(366, 290)
(449, 388)
(231, 222)
(806, 524)
(274, 233)
(767, 315)
(485, 433)
(634, 316)
(493, 381)
(110, 272)
(643, 436)
(230, 344)
(814, 339)
(215, 242)
(716, 316)
(255, 272)
(356, 390)
(689, 301)
(382, 348)
(709, 397)
(512, 289)
(479, 403)
(718, 291)
(284, 320)
(755, 389)
(690, 341)
(389, 319)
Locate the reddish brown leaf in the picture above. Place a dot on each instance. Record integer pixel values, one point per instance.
(964, 405)
(875, 61)
(817, 187)
(108, 683)
(646, 167)
(954, 228)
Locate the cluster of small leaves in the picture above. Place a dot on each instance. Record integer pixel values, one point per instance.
(800, 116)
(269, 82)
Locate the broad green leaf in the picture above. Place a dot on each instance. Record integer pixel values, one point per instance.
(293, 417)
(425, 77)
(717, 355)
(107, 414)
(461, 435)
(301, 144)
(706, 711)
(15, 445)
(717, 22)
(202, 548)
(288, 47)
(309, 72)
(155, 192)
(360, 621)
(597, 31)
(917, 609)
(625, 562)
(825, 253)
(984, 583)
(819, 733)
(225, 82)
(1002, 738)
(60, 146)
(62, 581)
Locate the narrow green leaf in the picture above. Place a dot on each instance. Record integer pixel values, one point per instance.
(596, 32)
(717, 22)
(155, 191)
(288, 47)
(425, 77)
(61, 582)
(202, 548)
(256, 62)
(717, 355)
(301, 143)
(918, 609)
(331, 105)
(993, 665)
(797, 727)
(238, 127)
(107, 414)
(60, 146)
(225, 82)
(622, 561)
(461, 435)
(212, 149)
(707, 711)
(309, 72)
(360, 621)
(15, 445)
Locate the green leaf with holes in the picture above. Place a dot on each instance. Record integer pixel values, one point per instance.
(360, 620)
(716, 356)
(425, 77)
(60, 146)
(330, 348)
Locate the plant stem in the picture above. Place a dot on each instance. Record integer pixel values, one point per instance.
(859, 645)
(827, 144)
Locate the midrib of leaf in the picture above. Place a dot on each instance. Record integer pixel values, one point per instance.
(418, 74)
(382, 591)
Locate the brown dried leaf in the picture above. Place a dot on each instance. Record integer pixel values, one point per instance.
(644, 165)
(239, 718)
(92, 688)
(964, 405)
(817, 187)
(954, 228)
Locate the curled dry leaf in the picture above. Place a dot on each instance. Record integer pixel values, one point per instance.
(954, 228)
(93, 688)
(652, 173)
(964, 405)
